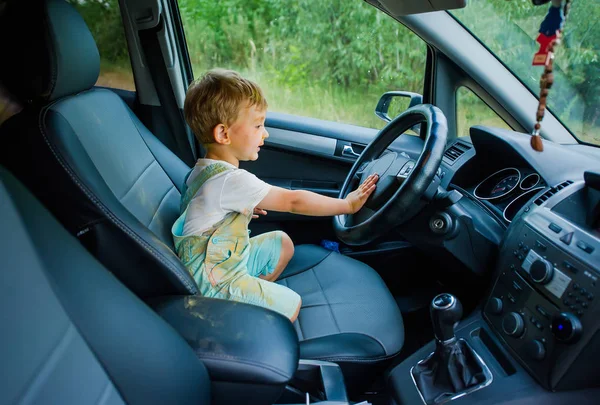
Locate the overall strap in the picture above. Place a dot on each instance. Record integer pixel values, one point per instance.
(209, 171)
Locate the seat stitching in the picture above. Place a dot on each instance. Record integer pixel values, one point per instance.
(353, 333)
(192, 288)
(303, 270)
(162, 200)
(326, 300)
(302, 335)
(237, 359)
(104, 396)
(48, 364)
(299, 312)
(139, 177)
(131, 116)
(356, 359)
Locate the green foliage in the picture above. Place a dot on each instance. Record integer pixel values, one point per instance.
(509, 29)
(103, 17)
(349, 45)
(329, 60)
(334, 59)
(471, 110)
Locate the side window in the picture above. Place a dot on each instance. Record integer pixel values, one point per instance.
(471, 110)
(103, 17)
(327, 60)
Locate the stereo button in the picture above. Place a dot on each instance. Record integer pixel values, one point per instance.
(566, 327)
(584, 246)
(536, 350)
(542, 311)
(513, 325)
(567, 238)
(541, 271)
(495, 306)
(570, 267)
(554, 228)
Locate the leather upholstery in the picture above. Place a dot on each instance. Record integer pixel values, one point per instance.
(346, 308)
(118, 172)
(71, 333)
(263, 348)
(119, 190)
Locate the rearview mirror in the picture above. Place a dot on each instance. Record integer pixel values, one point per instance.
(392, 103)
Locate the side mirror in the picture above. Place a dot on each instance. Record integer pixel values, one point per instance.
(395, 102)
(383, 106)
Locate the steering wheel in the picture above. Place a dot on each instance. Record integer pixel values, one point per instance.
(402, 180)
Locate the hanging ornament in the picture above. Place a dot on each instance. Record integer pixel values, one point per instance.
(549, 37)
(549, 30)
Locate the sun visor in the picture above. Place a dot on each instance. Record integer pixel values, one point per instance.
(407, 7)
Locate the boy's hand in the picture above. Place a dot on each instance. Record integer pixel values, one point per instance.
(358, 197)
(258, 211)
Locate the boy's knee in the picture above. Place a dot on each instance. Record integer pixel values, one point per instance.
(285, 255)
(287, 249)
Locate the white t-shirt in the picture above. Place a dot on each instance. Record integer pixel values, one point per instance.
(234, 190)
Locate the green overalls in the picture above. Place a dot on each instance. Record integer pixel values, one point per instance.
(218, 259)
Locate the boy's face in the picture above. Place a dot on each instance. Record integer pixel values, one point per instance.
(247, 133)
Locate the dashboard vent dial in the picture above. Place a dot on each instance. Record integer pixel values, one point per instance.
(551, 191)
(455, 151)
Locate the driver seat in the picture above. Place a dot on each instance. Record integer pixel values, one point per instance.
(116, 187)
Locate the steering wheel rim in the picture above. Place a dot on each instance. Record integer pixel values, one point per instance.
(402, 204)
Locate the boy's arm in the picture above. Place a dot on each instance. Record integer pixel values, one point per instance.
(309, 203)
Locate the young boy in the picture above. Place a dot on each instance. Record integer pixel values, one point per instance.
(227, 114)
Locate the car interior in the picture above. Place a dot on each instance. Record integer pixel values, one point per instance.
(470, 275)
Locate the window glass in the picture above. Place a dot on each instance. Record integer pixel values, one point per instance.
(510, 28)
(329, 60)
(103, 17)
(471, 110)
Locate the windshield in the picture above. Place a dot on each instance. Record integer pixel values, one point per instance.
(509, 29)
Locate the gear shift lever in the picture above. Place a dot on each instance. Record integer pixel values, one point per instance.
(445, 312)
(453, 368)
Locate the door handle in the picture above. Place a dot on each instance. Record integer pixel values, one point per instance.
(349, 152)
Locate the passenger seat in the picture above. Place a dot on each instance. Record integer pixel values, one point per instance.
(71, 332)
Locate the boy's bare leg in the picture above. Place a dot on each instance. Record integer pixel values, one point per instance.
(287, 251)
(293, 318)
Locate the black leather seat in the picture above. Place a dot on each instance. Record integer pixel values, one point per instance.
(117, 187)
(73, 334)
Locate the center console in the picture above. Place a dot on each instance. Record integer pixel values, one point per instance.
(535, 338)
(544, 302)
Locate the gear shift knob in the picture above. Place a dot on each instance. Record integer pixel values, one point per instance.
(446, 310)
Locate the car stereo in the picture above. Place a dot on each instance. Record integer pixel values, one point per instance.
(544, 301)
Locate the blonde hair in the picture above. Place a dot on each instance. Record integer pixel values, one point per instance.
(217, 98)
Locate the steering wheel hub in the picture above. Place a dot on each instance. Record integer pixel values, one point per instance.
(402, 180)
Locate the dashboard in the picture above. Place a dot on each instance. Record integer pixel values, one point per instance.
(536, 219)
(508, 189)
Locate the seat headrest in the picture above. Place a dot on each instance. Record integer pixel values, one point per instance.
(48, 51)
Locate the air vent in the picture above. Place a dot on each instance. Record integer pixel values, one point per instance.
(455, 151)
(551, 191)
